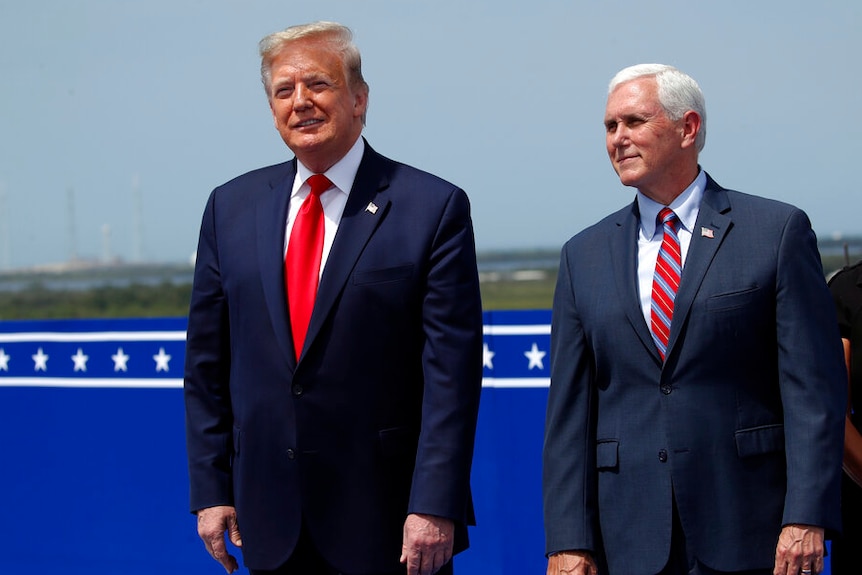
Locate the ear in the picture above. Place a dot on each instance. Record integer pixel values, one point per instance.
(690, 125)
(360, 102)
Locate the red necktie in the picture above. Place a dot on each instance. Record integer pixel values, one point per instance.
(302, 264)
(668, 268)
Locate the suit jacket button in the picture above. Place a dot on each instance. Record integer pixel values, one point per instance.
(662, 455)
(666, 389)
(297, 390)
(291, 454)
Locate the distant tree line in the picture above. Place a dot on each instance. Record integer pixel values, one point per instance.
(170, 299)
(38, 302)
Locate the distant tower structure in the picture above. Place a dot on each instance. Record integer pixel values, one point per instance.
(106, 244)
(137, 221)
(4, 229)
(70, 214)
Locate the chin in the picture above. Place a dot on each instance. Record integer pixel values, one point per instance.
(629, 179)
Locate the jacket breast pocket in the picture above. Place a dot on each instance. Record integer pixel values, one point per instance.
(607, 454)
(392, 274)
(732, 300)
(760, 440)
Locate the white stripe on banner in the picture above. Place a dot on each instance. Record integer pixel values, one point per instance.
(516, 382)
(105, 383)
(516, 330)
(119, 383)
(107, 336)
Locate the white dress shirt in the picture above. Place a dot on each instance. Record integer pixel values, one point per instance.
(686, 207)
(342, 175)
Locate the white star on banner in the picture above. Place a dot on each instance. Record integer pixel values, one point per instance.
(4, 360)
(535, 356)
(487, 357)
(80, 360)
(40, 361)
(120, 360)
(162, 360)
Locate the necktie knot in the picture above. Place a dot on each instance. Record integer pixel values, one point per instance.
(319, 184)
(667, 217)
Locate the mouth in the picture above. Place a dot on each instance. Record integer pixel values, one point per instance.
(307, 123)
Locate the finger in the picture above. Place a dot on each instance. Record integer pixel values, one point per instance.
(818, 564)
(413, 562)
(230, 565)
(220, 554)
(433, 563)
(233, 531)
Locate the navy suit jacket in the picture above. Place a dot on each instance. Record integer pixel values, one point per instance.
(377, 418)
(743, 424)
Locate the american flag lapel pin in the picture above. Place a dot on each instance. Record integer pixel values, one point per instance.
(371, 208)
(707, 233)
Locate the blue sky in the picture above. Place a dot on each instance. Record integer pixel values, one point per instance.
(112, 104)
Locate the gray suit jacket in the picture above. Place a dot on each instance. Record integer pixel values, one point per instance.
(743, 424)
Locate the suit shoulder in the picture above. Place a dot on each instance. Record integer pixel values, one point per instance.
(759, 204)
(400, 173)
(259, 176)
(601, 230)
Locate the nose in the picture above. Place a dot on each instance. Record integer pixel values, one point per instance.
(618, 136)
(301, 97)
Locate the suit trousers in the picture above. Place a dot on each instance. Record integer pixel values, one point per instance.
(682, 562)
(306, 560)
(846, 555)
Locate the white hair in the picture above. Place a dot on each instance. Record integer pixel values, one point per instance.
(677, 92)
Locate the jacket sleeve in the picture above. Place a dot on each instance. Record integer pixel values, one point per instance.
(812, 380)
(206, 382)
(569, 456)
(452, 366)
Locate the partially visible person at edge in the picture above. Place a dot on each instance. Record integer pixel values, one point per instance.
(339, 443)
(846, 287)
(695, 414)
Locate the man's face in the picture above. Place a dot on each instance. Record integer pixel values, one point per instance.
(318, 115)
(644, 145)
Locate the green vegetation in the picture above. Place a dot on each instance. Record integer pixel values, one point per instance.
(512, 294)
(38, 302)
(171, 298)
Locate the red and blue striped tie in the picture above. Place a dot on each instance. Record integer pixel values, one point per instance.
(668, 268)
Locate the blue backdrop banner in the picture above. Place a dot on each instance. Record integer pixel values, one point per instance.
(94, 473)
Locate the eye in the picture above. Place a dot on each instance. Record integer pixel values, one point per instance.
(611, 127)
(283, 91)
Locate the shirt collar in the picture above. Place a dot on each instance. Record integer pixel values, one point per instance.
(341, 174)
(685, 206)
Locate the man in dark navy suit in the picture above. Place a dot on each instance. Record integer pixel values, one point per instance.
(696, 409)
(334, 435)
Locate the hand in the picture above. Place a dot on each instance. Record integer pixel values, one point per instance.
(800, 550)
(212, 524)
(427, 545)
(572, 563)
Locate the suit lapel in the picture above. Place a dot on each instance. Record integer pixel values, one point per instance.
(709, 232)
(271, 225)
(624, 256)
(357, 224)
